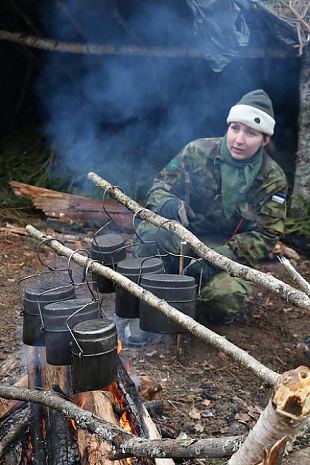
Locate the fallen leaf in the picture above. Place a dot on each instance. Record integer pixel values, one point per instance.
(194, 413)
(206, 402)
(199, 428)
(242, 417)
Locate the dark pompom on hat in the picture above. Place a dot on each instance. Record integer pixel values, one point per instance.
(255, 110)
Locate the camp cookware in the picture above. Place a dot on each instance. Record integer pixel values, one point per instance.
(127, 305)
(109, 249)
(94, 355)
(58, 317)
(178, 290)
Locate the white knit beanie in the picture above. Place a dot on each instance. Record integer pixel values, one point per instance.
(254, 110)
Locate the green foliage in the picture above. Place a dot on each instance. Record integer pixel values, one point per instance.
(299, 222)
(25, 157)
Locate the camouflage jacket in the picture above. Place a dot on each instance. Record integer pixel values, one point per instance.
(194, 176)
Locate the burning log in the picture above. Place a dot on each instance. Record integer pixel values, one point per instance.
(60, 442)
(241, 356)
(287, 411)
(92, 449)
(73, 209)
(290, 294)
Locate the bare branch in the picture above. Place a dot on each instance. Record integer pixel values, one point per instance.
(292, 295)
(300, 280)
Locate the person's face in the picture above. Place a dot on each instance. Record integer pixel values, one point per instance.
(243, 141)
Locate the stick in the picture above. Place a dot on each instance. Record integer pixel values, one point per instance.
(300, 280)
(120, 439)
(292, 295)
(241, 356)
(119, 50)
(17, 429)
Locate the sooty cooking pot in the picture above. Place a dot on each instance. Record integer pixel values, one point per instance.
(107, 249)
(126, 304)
(38, 296)
(57, 333)
(178, 290)
(94, 355)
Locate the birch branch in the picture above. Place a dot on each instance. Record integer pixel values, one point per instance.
(219, 342)
(300, 280)
(126, 444)
(99, 49)
(286, 413)
(53, 45)
(292, 295)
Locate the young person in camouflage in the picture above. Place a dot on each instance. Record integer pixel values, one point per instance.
(229, 193)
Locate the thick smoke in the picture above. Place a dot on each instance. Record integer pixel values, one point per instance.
(125, 117)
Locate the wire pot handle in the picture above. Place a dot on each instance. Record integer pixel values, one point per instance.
(70, 329)
(38, 250)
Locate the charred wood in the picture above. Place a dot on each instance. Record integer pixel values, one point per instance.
(61, 444)
(36, 410)
(12, 430)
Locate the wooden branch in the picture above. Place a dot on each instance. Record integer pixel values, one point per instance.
(269, 282)
(285, 414)
(300, 280)
(124, 50)
(219, 342)
(120, 439)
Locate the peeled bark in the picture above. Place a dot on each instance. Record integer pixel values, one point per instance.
(285, 414)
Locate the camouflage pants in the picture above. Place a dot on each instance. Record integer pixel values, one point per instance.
(221, 296)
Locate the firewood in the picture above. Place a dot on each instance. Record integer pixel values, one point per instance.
(298, 298)
(92, 449)
(16, 429)
(34, 357)
(60, 441)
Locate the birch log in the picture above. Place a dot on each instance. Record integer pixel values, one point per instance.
(219, 342)
(285, 414)
(289, 293)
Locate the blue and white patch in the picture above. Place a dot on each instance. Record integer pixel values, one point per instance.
(279, 197)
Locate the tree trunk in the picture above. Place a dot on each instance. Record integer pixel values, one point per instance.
(287, 411)
(302, 173)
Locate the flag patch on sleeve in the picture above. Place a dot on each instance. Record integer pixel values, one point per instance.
(279, 197)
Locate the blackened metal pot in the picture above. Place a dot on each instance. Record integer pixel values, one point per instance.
(178, 290)
(126, 304)
(36, 297)
(109, 249)
(57, 332)
(94, 355)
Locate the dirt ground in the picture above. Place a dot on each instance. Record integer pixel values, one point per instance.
(205, 393)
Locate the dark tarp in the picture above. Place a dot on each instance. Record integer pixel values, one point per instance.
(223, 27)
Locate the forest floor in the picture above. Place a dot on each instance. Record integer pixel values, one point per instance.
(205, 393)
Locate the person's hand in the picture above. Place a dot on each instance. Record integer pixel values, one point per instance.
(196, 267)
(175, 209)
